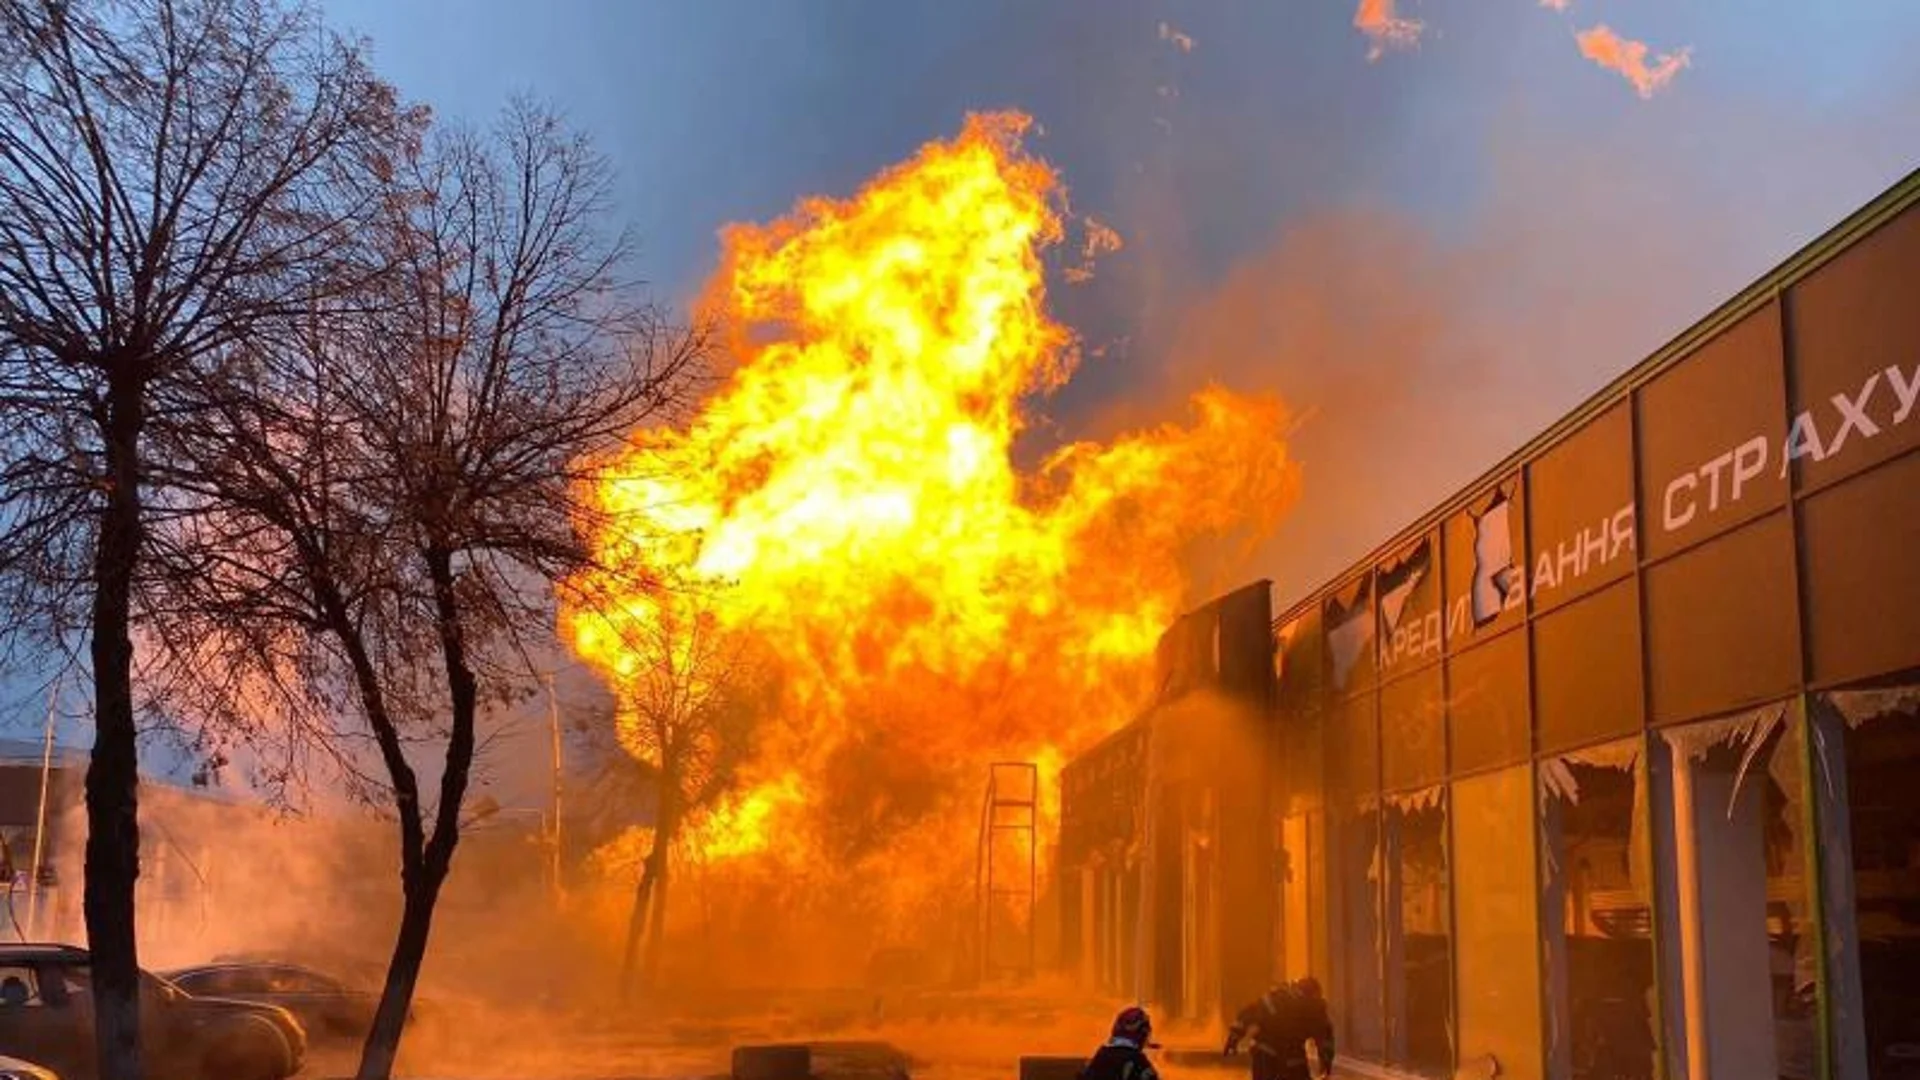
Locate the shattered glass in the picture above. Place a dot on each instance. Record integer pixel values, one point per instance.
(1597, 915)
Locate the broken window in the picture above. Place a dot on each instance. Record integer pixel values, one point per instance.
(1597, 915)
(1355, 867)
(1419, 915)
(1495, 577)
(1866, 756)
(1398, 580)
(1357, 877)
(1350, 630)
(1731, 819)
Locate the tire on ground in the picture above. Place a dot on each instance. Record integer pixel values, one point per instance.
(249, 1048)
(772, 1063)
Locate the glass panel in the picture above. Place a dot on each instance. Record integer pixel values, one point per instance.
(1497, 922)
(1868, 757)
(1861, 577)
(1580, 503)
(1296, 910)
(1487, 721)
(1598, 915)
(1358, 878)
(1355, 858)
(1586, 667)
(1855, 332)
(1746, 944)
(1707, 460)
(1723, 625)
(1409, 609)
(1413, 735)
(1486, 566)
(1418, 917)
(1350, 627)
(19, 987)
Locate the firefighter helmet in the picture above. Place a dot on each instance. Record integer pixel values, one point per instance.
(1134, 1025)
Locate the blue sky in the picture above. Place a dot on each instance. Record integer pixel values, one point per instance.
(1485, 228)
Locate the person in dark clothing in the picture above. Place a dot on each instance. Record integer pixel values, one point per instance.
(1124, 1057)
(1281, 1022)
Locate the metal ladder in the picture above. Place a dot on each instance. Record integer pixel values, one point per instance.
(1012, 807)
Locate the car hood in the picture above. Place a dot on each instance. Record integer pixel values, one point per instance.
(25, 1069)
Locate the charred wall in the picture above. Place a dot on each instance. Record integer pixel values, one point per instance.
(1163, 823)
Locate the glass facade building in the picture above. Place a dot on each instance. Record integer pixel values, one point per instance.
(1609, 768)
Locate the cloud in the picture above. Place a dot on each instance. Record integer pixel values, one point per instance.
(1631, 58)
(1385, 27)
(1172, 34)
(1557, 5)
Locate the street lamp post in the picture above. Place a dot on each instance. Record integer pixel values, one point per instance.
(553, 835)
(40, 819)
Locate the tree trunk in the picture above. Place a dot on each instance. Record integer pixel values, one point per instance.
(656, 930)
(382, 1048)
(113, 774)
(629, 957)
(422, 877)
(649, 902)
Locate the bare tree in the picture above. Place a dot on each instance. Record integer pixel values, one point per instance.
(171, 173)
(687, 706)
(383, 513)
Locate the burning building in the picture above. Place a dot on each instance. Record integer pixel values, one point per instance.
(1603, 767)
(1161, 824)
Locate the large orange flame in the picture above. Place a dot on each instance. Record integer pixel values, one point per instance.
(849, 498)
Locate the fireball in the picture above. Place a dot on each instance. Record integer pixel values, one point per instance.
(850, 500)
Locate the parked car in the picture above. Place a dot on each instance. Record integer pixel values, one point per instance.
(46, 1013)
(15, 1069)
(327, 1007)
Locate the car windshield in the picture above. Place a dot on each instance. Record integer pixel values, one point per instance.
(80, 981)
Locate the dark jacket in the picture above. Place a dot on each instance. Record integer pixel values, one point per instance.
(1281, 1022)
(1119, 1060)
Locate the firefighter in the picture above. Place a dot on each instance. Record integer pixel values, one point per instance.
(1281, 1022)
(1124, 1057)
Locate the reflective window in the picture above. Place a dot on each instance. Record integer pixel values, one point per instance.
(1294, 914)
(1855, 331)
(1413, 731)
(1497, 922)
(1354, 863)
(1709, 430)
(1597, 915)
(1746, 956)
(1869, 759)
(1580, 495)
(1723, 623)
(1358, 879)
(1858, 542)
(19, 987)
(1418, 958)
(1487, 721)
